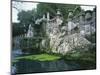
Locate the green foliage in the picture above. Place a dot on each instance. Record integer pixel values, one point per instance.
(30, 45)
(40, 57)
(87, 59)
(17, 29)
(91, 37)
(26, 17)
(29, 17)
(43, 8)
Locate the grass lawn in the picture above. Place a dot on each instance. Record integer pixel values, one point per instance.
(40, 57)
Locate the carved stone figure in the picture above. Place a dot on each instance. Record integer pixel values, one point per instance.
(30, 31)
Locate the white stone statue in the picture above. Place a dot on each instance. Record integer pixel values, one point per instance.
(30, 31)
(59, 18)
(48, 16)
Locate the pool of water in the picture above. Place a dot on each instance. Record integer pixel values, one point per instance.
(28, 66)
(24, 66)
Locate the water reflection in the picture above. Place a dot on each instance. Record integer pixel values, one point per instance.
(28, 66)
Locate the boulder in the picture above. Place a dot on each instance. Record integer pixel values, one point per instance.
(68, 43)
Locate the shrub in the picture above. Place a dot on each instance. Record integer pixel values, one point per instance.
(86, 59)
(30, 45)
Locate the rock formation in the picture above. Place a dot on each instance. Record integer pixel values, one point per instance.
(64, 38)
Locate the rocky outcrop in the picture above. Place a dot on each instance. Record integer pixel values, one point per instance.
(63, 43)
(64, 38)
(70, 42)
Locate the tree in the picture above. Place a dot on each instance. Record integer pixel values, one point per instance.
(29, 17)
(25, 17)
(18, 29)
(43, 8)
